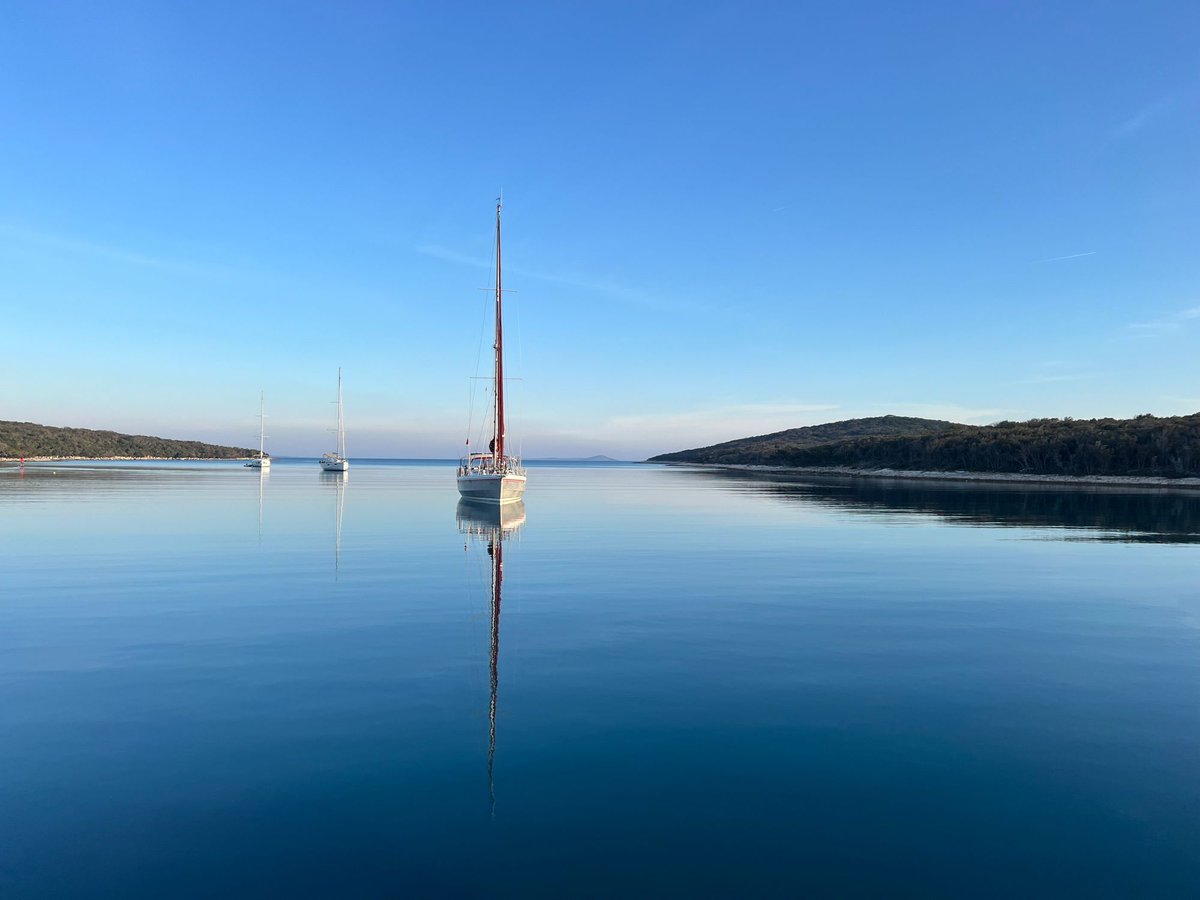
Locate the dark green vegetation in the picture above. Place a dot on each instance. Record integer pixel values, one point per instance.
(769, 449)
(1145, 446)
(25, 439)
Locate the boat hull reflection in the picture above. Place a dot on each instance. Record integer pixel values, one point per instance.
(481, 518)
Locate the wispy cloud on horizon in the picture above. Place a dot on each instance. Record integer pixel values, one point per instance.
(1054, 371)
(778, 416)
(664, 432)
(704, 427)
(1188, 405)
(1054, 379)
(604, 287)
(1167, 324)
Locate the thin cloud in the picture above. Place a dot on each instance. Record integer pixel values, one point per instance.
(699, 427)
(769, 416)
(1070, 256)
(73, 246)
(80, 247)
(596, 286)
(436, 251)
(646, 434)
(1190, 404)
(1144, 117)
(1052, 379)
(731, 422)
(1167, 324)
(1053, 371)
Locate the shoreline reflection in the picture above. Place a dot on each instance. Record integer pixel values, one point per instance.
(1134, 516)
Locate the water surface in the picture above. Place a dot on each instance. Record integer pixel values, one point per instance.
(695, 683)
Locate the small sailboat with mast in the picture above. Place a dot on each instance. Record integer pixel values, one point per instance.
(336, 461)
(492, 476)
(262, 461)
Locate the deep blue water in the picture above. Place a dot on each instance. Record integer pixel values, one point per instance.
(706, 684)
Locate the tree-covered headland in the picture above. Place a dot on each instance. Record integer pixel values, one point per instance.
(25, 439)
(1144, 446)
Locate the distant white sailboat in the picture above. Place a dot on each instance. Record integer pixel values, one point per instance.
(262, 461)
(493, 477)
(336, 461)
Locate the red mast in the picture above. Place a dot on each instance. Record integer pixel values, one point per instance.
(498, 435)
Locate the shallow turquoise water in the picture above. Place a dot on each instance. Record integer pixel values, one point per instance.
(212, 684)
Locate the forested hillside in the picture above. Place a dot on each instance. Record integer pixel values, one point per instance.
(1147, 446)
(25, 439)
(767, 449)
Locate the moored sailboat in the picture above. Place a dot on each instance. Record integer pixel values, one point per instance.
(262, 461)
(494, 476)
(336, 461)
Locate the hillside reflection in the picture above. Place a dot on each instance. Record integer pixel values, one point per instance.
(1117, 514)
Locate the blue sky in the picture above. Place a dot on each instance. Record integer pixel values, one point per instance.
(721, 219)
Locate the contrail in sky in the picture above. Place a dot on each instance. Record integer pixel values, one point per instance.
(1071, 256)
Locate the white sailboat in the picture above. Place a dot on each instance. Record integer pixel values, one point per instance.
(336, 461)
(262, 461)
(493, 476)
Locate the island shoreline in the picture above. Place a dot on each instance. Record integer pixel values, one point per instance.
(31, 459)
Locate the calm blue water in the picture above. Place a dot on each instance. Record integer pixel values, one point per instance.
(215, 685)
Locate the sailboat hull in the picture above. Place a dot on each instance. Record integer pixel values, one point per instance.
(492, 488)
(334, 465)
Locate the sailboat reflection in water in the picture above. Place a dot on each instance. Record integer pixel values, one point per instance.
(336, 479)
(493, 525)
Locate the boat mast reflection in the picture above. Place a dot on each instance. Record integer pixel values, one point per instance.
(492, 524)
(263, 474)
(337, 480)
